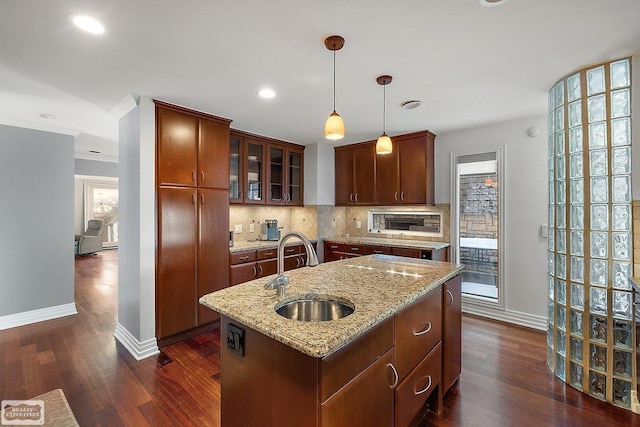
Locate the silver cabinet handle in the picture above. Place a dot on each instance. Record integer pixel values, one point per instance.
(356, 197)
(351, 197)
(193, 176)
(255, 271)
(245, 257)
(426, 329)
(395, 196)
(193, 198)
(355, 249)
(450, 296)
(402, 196)
(396, 377)
(378, 252)
(202, 198)
(268, 253)
(419, 392)
(260, 267)
(201, 176)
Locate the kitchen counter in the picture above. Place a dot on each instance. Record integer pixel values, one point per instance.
(381, 241)
(248, 245)
(378, 286)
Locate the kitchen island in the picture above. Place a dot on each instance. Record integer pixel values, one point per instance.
(380, 364)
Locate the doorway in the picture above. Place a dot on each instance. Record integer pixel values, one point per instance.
(477, 212)
(101, 202)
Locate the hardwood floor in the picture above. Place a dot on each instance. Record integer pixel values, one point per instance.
(504, 381)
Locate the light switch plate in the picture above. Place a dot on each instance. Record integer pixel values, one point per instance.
(238, 228)
(544, 231)
(358, 224)
(251, 229)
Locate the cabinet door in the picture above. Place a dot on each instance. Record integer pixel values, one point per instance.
(295, 177)
(267, 267)
(413, 170)
(388, 177)
(364, 158)
(344, 177)
(213, 249)
(176, 147)
(276, 165)
(452, 327)
(236, 168)
(241, 273)
(255, 154)
(177, 254)
(212, 147)
(365, 401)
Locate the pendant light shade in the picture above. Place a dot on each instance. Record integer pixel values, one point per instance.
(384, 144)
(334, 127)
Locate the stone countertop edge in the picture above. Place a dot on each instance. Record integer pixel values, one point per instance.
(382, 241)
(378, 285)
(247, 245)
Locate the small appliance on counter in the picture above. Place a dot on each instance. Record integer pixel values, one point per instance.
(270, 230)
(230, 239)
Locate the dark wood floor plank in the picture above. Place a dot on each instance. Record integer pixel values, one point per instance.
(504, 382)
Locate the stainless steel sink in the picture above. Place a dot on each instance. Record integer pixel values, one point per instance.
(318, 309)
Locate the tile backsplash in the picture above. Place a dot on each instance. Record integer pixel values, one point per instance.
(318, 222)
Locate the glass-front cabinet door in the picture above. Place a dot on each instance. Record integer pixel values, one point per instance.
(255, 153)
(294, 191)
(235, 195)
(277, 183)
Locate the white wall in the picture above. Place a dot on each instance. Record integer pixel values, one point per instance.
(319, 174)
(136, 260)
(36, 221)
(525, 194)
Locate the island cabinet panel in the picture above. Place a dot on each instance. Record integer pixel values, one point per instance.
(192, 185)
(365, 401)
(417, 389)
(272, 384)
(452, 332)
(418, 330)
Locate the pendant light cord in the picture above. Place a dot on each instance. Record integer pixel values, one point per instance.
(334, 77)
(384, 109)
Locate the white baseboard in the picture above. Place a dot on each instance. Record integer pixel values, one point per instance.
(515, 317)
(34, 316)
(139, 350)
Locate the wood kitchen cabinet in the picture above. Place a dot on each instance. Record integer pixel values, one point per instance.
(452, 332)
(265, 170)
(334, 251)
(192, 188)
(355, 174)
(406, 176)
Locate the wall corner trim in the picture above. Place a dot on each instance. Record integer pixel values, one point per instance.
(139, 349)
(35, 316)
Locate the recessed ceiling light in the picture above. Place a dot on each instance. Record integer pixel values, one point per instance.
(47, 116)
(490, 3)
(410, 105)
(267, 93)
(86, 23)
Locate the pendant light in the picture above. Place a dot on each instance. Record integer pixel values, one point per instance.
(334, 127)
(384, 145)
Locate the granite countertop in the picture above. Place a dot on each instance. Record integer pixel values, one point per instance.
(381, 241)
(248, 245)
(378, 286)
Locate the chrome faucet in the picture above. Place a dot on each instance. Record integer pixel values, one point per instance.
(281, 281)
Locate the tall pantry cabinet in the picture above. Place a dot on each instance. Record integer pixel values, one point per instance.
(192, 187)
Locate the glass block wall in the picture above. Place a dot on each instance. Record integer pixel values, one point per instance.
(590, 334)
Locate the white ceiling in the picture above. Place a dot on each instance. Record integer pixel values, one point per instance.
(469, 64)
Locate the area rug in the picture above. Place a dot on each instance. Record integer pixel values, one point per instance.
(48, 409)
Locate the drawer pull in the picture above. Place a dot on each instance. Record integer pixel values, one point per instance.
(419, 392)
(355, 249)
(268, 253)
(450, 296)
(426, 329)
(378, 252)
(244, 257)
(289, 251)
(334, 246)
(396, 378)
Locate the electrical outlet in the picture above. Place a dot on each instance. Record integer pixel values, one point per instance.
(251, 229)
(238, 228)
(544, 231)
(358, 224)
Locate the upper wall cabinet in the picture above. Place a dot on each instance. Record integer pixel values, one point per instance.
(189, 147)
(265, 171)
(355, 172)
(406, 176)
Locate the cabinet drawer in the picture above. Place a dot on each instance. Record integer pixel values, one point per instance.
(267, 253)
(242, 257)
(408, 252)
(355, 249)
(418, 329)
(378, 250)
(413, 392)
(339, 368)
(334, 247)
(292, 250)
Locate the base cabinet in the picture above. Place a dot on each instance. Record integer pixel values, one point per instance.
(334, 251)
(390, 376)
(452, 332)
